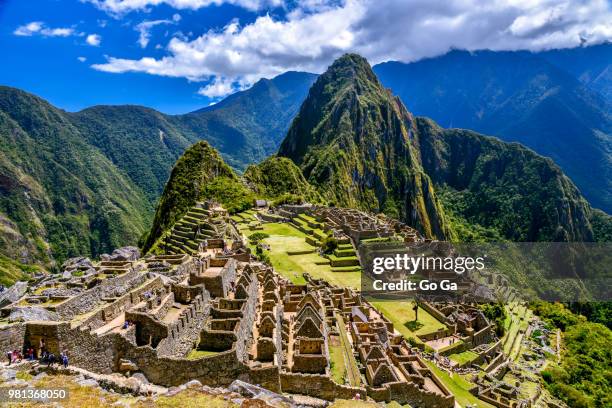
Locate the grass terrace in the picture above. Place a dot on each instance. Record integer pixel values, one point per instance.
(464, 358)
(285, 238)
(401, 314)
(459, 386)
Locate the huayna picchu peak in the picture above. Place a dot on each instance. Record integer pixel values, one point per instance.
(361, 148)
(351, 138)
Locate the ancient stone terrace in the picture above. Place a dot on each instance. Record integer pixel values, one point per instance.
(465, 322)
(205, 226)
(218, 316)
(354, 224)
(391, 367)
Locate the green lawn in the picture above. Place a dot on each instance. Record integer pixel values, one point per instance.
(195, 354)
(401, 314)
(459, 386)
(465, 357)
(338, 368)
(285, 237)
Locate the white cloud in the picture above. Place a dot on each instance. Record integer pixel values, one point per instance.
(313, 34)
(39, 28)
(82, 59)
(119, 7)
(93, 40)
(219, 87)
(144, 29)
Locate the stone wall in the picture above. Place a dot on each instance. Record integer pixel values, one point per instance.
(12, 337)
(319, 386)
(185, 332)
(109, 312)
(409, 393)
(89, 299)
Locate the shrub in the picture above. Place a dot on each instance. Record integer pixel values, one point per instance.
(329, 245)
(258, 236)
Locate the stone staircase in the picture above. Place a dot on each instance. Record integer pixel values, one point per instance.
(192, 229)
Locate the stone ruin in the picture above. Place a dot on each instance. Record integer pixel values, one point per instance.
(214, 314)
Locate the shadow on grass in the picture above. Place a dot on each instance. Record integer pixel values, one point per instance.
(413, 325)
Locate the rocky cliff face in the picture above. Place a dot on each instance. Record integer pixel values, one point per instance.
(351, 140)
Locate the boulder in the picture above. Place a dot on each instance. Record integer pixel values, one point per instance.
(88, 383)
(8, 374)
(28, 313)
(193, 384)
(128, 253)
(79, 262)
(127, 365)
(13, 294)
(256, 392)
(140, 377)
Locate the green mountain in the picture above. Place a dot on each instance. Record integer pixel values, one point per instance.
(503, 188)
(198, 175)
(279, 179)
(84, 183)
(351, 139)
(556, 103)
(360, 147)
(245, 128)
(248, 126)
(59, 196)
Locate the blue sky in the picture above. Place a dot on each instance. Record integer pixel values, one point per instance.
(179, 55)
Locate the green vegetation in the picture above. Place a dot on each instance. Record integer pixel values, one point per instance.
(329, 245)
(337, 365)
(459, 386)
(582, 379)
(258, 236)
(61, 197)
(464, 357)
(280, 180)
(401, 314)
(12, 271)
(196, 354)
(198, 175)
(504, 189)
(283, 239)
(602, 226)
(496, 312)
(370, 172)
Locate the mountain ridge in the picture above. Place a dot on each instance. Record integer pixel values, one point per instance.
(361, 147)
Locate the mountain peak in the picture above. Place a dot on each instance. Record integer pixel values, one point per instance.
(351, 139)
(351, 68)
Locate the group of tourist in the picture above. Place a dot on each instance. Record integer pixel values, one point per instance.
(127, 324)
(50, 359)
(47, 357)
(14, 356)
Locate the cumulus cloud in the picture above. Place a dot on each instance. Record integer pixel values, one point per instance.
(119, 7)
(94, 40)
(82, 59)
(220, 87)
(315, 32)
(39, 28)
(144, 29)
